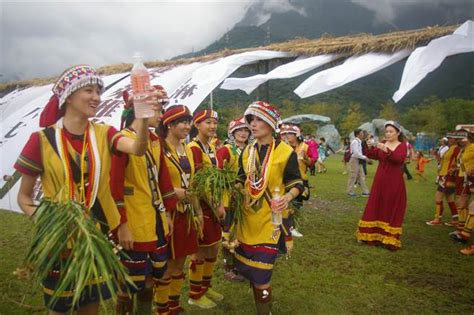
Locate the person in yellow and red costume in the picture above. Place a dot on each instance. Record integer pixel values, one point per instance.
(447, 183)
(292, 135)
(464, 190)
(174, 128)
(266, 166)
(202, 264)
(75, 153)
(238, 135)
(142, 184)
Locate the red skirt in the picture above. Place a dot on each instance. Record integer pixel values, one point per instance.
(212, 231)
(184, 240)
(462, 186)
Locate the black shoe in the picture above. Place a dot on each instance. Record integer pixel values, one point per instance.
(455, 237)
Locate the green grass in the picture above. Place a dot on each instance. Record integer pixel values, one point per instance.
(329, 272)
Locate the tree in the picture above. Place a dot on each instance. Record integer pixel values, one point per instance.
(389, 111)
(331, 110)
(352, 120)
(437, 116)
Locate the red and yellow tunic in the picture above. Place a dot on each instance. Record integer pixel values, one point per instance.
(302, 150)
(144, 184)
(203, 157)
(466, 166)
(257, 227)
(40, 157)
(229, 154)
(448, 160)
(184, 240)
(258, 237)
(447, 180)
(212, 231)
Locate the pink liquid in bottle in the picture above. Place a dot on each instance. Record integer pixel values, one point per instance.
(141, 88)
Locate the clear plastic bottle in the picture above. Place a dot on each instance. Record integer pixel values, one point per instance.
(141, 87)
(277, 217)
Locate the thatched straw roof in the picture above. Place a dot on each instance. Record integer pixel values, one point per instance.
(351, 45)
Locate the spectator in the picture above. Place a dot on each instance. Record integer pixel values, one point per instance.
(356, 171)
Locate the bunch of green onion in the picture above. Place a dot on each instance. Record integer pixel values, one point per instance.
(65, 236)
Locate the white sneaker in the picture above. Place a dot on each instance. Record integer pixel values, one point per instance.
(295, 233)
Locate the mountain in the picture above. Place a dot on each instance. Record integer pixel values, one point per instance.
(264, 24)
(314, 18)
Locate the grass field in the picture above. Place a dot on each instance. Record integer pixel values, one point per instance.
(328, 272)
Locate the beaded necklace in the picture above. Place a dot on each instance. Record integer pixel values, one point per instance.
(87, 190)
(257, 183)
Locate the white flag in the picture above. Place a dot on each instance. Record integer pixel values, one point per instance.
(174, 77)
(289, 70)
(352, 69)
(426, 59)
(207, 78)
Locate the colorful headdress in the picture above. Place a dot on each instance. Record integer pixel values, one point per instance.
(458, 134)
(175, 112)
(264, 111)
(70, 81)
(288, 128)
(203, 115)
(236, 124)
(463, 133)
(394, 124)
(73, 79)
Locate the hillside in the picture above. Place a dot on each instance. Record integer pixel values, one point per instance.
(453, 79)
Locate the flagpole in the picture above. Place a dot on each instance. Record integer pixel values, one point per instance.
(212, 99)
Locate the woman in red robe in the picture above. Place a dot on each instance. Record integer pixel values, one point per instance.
(381, 223)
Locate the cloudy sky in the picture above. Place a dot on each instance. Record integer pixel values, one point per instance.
(42, 38)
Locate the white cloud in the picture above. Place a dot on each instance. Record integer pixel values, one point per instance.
(43, 38)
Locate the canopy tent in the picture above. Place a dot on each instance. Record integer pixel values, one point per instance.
(299, 119)
(189, 81)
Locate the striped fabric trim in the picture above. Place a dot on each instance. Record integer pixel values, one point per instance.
(270, 120)
(385, 239)
(64, 294)
(159, 264)
(293, 183)
(115, 138)
(51, 292)
(254, 264)
(182, 112)
(259, 248)
(168, 195)
(128, 191)
(180, 276)
(137, 278)
(381, 225)
(207, 113)
(29, 164)
(120, 203)
(163, 282)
